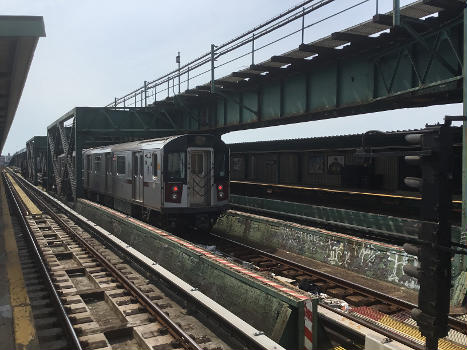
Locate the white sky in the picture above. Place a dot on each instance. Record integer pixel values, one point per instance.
(96, 50)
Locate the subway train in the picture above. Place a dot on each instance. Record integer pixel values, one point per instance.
(179, 180)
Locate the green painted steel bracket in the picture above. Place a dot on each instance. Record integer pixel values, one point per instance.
(230, 98)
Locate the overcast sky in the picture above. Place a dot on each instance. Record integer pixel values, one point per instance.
(96, 50)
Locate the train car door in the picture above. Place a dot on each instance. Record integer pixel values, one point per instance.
(152, 182)
(138, 171)
(199, 177)
(88, 170)
(108, 172)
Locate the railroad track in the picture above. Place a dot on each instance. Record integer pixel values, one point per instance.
(105, 303)
(50, 333)
(364, 304)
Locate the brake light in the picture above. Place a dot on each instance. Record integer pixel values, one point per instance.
(173, 193)
(222, 192)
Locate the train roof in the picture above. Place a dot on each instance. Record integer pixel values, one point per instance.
(134, 145)
(350, 141)
(138, 145)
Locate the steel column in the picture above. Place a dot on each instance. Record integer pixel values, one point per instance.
(303, 25)
(178, 61)
(396, 17)
(464, 141)
(253, 49)
(212, 67)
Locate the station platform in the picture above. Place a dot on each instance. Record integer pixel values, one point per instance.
(17, 330)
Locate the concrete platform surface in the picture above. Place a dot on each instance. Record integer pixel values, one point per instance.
(17, 329)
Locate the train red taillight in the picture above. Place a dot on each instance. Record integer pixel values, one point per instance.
(173, 193)
(222, 191)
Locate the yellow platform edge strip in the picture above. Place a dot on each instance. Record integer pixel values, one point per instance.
(414, 333)
(33, 209)
(23, 323)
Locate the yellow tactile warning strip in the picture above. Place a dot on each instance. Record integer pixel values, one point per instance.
(23, 323)
(29, 204)
(338, 348)
(413, 332)
(401, 327)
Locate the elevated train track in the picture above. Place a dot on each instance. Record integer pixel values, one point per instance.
(104, 302)
(366, 304)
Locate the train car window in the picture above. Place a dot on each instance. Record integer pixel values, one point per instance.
(197, 163)
(219, 163)
(88, 162)
(141, 165)
(176, 165)
(121, 168)
(252, 167)
(97, 163)
(154, 164)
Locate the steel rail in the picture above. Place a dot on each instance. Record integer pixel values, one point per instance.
(21, 209)
(454, 323)
(176, 331)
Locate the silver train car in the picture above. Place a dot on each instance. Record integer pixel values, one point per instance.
(175, 180)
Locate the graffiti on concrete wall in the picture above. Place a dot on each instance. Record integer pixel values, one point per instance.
(369, 258)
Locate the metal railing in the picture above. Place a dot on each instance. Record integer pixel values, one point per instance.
(170, 84)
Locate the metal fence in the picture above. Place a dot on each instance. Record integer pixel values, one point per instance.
(240, 47)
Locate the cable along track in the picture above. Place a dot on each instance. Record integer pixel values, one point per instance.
(108, 304)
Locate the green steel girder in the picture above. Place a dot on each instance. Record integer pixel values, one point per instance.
(404, 68)
(36, 151)
(86, 127)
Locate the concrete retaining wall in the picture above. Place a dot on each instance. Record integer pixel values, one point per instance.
(372, 259)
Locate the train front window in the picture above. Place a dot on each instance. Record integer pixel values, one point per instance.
(197, 166)
(176, 165)
(219, 163)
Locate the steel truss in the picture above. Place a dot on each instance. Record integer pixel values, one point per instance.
(86, 127)
(36, 156)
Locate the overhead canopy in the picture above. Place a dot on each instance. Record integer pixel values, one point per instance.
(18, 40)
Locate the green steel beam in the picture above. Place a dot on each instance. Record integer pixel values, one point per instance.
(411, 66)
